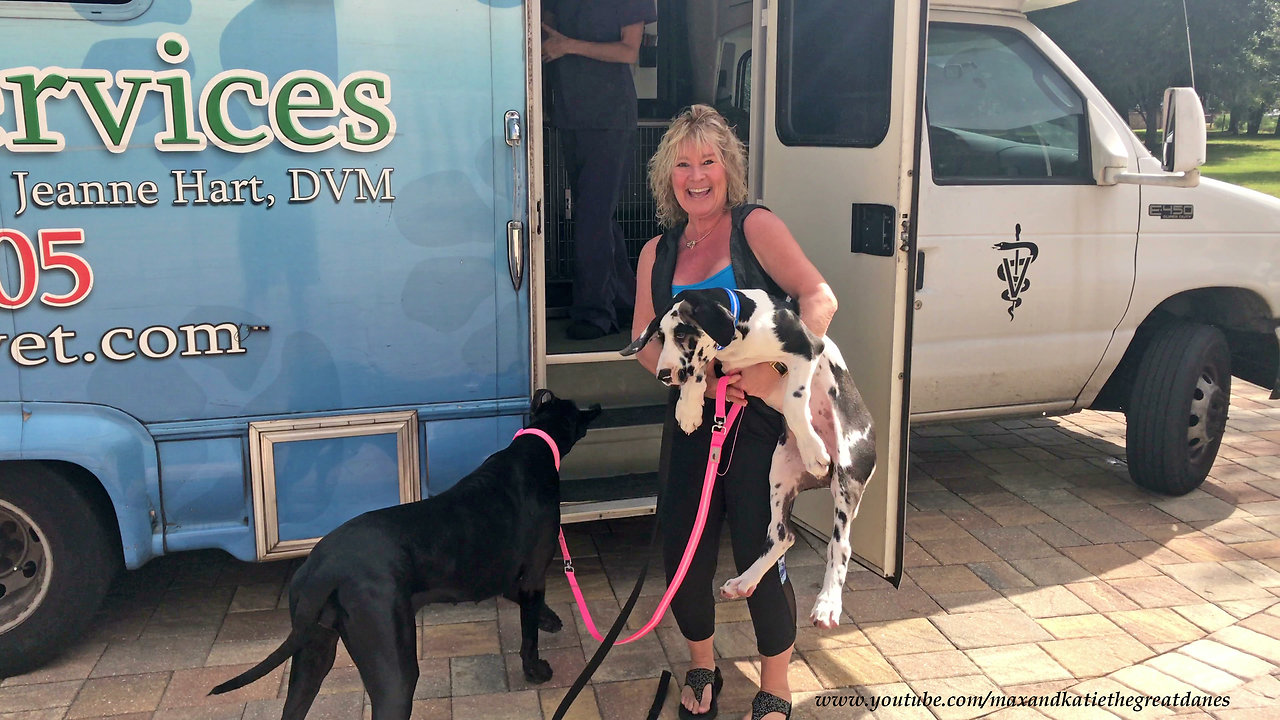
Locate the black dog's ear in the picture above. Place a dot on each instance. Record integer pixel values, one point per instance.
(541, 398)
(707, 313)
(643, 340)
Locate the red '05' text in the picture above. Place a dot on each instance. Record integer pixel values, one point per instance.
(46, 255)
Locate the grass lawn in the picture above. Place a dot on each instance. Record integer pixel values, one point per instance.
(1253, 162)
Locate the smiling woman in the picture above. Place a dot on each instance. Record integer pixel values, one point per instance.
(715, 239)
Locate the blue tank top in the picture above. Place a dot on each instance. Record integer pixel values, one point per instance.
(722, 279)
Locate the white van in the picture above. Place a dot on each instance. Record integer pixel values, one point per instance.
(1001, 242)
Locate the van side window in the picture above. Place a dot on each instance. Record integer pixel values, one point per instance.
(999, 112)
(834, 64)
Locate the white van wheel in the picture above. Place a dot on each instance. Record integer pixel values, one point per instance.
(56, 564)
(1177, 412)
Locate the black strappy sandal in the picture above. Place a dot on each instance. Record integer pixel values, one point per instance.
(698, 679)
(764, 703)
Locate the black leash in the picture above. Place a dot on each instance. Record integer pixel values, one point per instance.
(607, 644)
(660, 698)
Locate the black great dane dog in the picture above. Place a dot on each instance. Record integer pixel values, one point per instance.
(829, 439)
(493, 533)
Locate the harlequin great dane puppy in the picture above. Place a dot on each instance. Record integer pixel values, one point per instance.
(825, 416)
(493, 533)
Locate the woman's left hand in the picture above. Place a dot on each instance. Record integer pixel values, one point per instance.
(759, 380)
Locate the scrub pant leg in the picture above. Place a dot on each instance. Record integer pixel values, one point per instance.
(603, 281)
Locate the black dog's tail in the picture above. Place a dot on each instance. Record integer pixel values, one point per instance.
(305, 617)
(292, 644)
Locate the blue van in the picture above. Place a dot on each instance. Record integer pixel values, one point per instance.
(253, 278)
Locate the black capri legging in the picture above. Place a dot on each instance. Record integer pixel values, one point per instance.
(741, 495)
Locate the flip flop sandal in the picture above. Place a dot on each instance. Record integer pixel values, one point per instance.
(764, 703)
(698, 679)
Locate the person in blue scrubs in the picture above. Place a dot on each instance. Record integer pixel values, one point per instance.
(591, 46)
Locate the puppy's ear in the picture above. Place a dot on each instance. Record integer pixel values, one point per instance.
(713, 317)
(541, 398)
(643, 340)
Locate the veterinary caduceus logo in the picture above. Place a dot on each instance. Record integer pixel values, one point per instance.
(1013, 268)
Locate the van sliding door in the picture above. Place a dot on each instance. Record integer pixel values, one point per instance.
(834, 152)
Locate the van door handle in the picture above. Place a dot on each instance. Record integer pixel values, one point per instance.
(513, 133)
(919, 270)
(515, 253)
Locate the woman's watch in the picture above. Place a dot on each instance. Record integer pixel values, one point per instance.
(781, 368)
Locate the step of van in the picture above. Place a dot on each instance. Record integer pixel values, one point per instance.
(608, 497)
(612, 472)
(622, 441)
(601, 379)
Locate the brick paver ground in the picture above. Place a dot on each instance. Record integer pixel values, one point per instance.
(1033, 566)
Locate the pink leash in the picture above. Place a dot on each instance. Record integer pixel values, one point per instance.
(719, 432)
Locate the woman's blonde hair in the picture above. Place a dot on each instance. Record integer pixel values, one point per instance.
(704, 126)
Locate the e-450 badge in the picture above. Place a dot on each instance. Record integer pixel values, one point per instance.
(1013, 268)
(1172, 212)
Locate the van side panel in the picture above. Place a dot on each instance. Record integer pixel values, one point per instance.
(447, 468)
(260, 209)
(510, 198)
(199, 511)
(1188, 240)
(106, 442)
(360, 279)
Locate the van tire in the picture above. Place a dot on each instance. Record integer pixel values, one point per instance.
(65, 560)
(1177, 412)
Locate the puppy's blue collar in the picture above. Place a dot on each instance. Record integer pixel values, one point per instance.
(733, 309)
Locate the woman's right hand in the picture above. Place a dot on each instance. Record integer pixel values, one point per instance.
(733, 393)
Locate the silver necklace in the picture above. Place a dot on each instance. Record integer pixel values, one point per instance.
(690, 243)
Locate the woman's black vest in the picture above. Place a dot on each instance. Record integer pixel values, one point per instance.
(747, 271)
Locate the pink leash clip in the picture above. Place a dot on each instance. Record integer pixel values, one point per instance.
(723, 421)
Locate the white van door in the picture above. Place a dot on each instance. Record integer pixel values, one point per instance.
(1027, 262)
(833, 153)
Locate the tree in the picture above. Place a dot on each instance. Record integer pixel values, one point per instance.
(1235, 42)
(1134, 49)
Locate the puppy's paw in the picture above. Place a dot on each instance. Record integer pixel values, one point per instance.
(826, 612)
(688, 417)
(817, 462)
(549, 621)
(537, 671)
(736, 588)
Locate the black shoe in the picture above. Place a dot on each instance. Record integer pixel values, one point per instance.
(581, 330)
(764, 703)
(698, 679)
